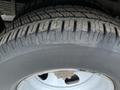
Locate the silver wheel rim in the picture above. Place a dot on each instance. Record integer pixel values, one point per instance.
(66, 79)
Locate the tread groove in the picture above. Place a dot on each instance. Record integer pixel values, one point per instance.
(116, 32)
(58, 12)
(29, 19)
(8, 37)
(49, 27)
(75, 26)
(104, 29)
(63, 24)
(89, 26)
(1, 39)
(17, 34)
(37, 15)
(48, 14)
(37, 29)
(26, 31)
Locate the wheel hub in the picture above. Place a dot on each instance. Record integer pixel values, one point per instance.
(66, 79)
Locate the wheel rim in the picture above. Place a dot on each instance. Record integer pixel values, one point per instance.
(66, 79)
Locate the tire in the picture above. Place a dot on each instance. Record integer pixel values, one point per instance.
(36, 4)
(60, 37)
(2, 25)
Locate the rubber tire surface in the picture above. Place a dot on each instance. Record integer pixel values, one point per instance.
(35, 4)
(60, 37)
(2, 25)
